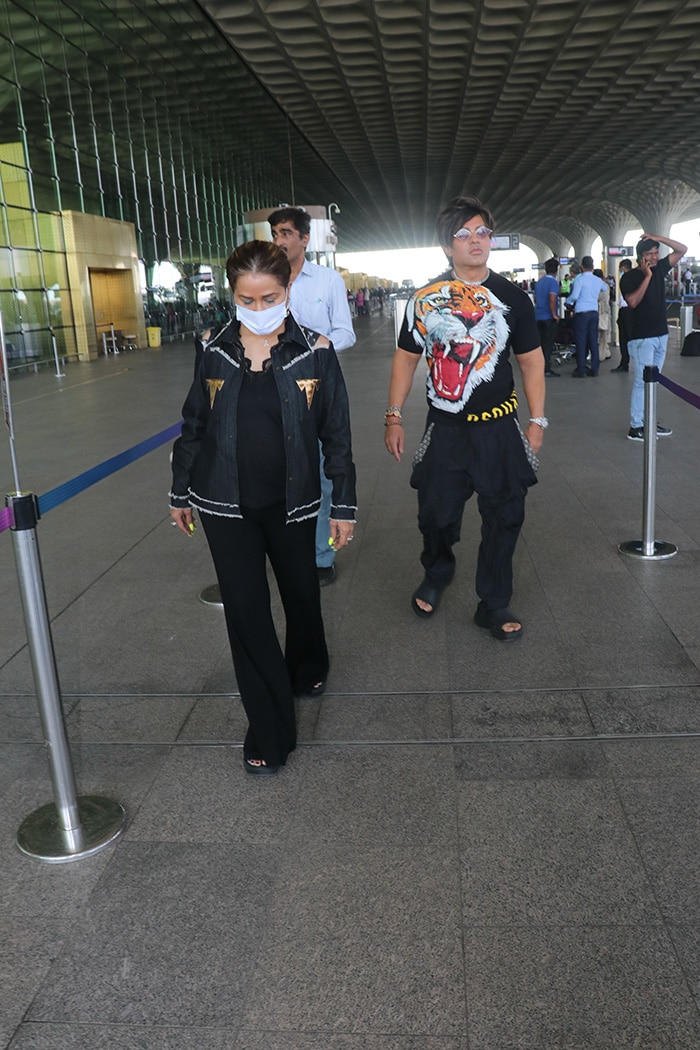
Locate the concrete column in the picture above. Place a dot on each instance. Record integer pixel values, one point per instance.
(541, 249)
(558, 244)
(611, 220)
(661, 202)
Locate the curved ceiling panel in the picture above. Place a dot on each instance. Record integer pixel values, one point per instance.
(564, 115)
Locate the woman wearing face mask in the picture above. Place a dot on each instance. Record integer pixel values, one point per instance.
(265, 393)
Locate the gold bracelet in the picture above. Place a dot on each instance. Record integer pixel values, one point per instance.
(398, 423)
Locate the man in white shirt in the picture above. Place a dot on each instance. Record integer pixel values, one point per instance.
(584, 298)
(318, 300)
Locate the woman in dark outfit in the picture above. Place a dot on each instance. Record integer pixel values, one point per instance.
(265, 393)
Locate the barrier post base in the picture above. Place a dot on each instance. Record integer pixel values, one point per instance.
(635, 549)
(212, 596)
(40, 835)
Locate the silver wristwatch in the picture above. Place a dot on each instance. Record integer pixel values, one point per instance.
(541, 421)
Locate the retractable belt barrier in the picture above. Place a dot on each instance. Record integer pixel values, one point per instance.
(648, 547)
(680, 391)
(72, 826)
(54, 497)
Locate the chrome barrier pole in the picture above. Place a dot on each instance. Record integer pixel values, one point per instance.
(649, 548)
(69, 828)
(59, 373)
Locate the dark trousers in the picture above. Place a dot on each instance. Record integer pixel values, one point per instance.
(267, 678)
(586, 338)
(548, 331)
(624, 328)
(488, 459)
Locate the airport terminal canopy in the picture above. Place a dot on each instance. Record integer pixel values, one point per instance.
(570, 118)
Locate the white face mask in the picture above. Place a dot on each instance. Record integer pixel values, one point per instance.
(262, 322)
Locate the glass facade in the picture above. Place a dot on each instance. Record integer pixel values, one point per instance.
(136, 110)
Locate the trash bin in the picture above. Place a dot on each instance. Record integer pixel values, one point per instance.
(153, 336)
(686, 321)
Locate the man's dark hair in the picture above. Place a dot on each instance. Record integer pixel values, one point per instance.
(551, 265)
(454, 215)
(587, 262)
(258, 257)
(625, 264)
(300, 218)
(645, 244)
(574, 268)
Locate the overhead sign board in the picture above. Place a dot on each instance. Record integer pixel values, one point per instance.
(505, 242)
(620, 249)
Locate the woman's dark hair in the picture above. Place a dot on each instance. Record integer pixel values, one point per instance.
(454, 215)
(258, 257)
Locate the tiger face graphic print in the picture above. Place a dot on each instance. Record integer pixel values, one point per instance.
(463, 330)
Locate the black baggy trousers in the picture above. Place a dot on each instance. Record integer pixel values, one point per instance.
(454, 461)
(267, 678)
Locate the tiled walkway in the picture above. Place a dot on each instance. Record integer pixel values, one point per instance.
(475, 847)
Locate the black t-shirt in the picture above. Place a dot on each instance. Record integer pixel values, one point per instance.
(262, 464)
(466, 331)
(649, 316)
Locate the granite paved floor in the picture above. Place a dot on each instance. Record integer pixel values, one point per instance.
(475, 847)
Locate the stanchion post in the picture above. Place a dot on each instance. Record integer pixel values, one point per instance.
(651, 380)
(648, 547)
(59, 373)
(69, 828)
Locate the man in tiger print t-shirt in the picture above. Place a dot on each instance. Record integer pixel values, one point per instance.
(466, 322)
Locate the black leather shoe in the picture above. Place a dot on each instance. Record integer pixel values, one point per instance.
(620, 368)
(326, 574)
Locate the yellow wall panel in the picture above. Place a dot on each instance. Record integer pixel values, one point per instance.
(97, 246)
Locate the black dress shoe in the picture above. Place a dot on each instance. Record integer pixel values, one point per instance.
(551, 374)
(590, 372)
(578, 375)
(326, 574)
(620, 368)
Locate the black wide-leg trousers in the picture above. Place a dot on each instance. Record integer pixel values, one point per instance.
(268, 679)
(452, 463)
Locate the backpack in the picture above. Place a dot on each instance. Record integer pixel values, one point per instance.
(691, 345)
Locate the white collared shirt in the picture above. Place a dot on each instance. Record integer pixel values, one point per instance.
(318, 300)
